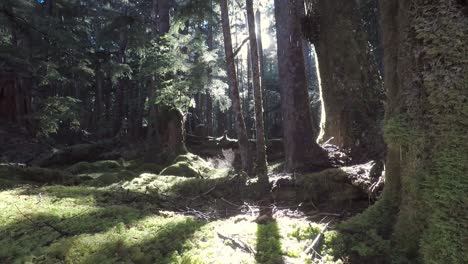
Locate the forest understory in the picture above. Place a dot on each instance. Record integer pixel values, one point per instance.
(234, 131)
(196, 210)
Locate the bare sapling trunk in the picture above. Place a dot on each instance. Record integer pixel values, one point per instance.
(261, 162)
(234, 91)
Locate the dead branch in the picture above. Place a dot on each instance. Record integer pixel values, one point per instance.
(238, 244)
(240, 46)
(42, 224)
(316, 242)
(230, 203)
(198, 214)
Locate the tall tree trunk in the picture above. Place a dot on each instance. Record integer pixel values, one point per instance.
(261, 164)
(312, 85)
(120, 94)
(258, 27)
(352, 89)
(423, 208)
(234, 88)
(248, 120)
(98, 102)
(301, 150)
(163, 18)
(209, 100)
(166, 132)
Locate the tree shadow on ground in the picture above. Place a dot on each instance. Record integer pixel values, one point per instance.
(164, 245)
(268, 244)
(34, 231)
(101, 197)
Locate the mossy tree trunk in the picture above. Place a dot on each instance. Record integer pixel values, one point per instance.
(301, 150)
(166, 131)
(423, 210)
(351, 86)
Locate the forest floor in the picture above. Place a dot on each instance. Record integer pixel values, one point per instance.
(121, 215)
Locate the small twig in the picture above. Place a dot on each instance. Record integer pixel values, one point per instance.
(40, 198)
(204, 194)
(198, 214)
(230, 203)
(238, 244)
(61, 232)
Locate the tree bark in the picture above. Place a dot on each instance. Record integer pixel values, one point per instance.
(209, 100)
(258, 27)
(424, 203)
(234, 88)
(352, 89)
(261, 164)
(301, 150)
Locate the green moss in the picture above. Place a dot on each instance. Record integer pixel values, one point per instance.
(268, 243)
(328, 185)
(188, 165)
(397, 130)
(305, 232)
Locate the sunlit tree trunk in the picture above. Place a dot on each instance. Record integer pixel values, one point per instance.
(301, 150)
(209, 100)
(352, 89)
(261, 162)
(234, 91)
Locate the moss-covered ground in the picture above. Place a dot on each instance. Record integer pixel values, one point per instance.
(144, 217)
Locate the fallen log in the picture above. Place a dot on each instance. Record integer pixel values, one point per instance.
(73, 154)
(336, 185)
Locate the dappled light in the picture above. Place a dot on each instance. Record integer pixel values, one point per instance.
(233, 131)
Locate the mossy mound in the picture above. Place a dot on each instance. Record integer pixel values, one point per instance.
(98, 166)
(331, 185)
(188, 165)
(176, 186)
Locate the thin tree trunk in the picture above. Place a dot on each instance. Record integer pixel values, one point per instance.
(258, 27)
(249, 91)
(261, 165)
(209, 100)
(98, 102)
(234, 87)
(120, 96)
(301, 150)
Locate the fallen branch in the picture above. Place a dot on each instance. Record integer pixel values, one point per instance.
(238, 49)
(230, 203)
(198, 214)
(316, 242)
(238, 244)
(204, 194)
